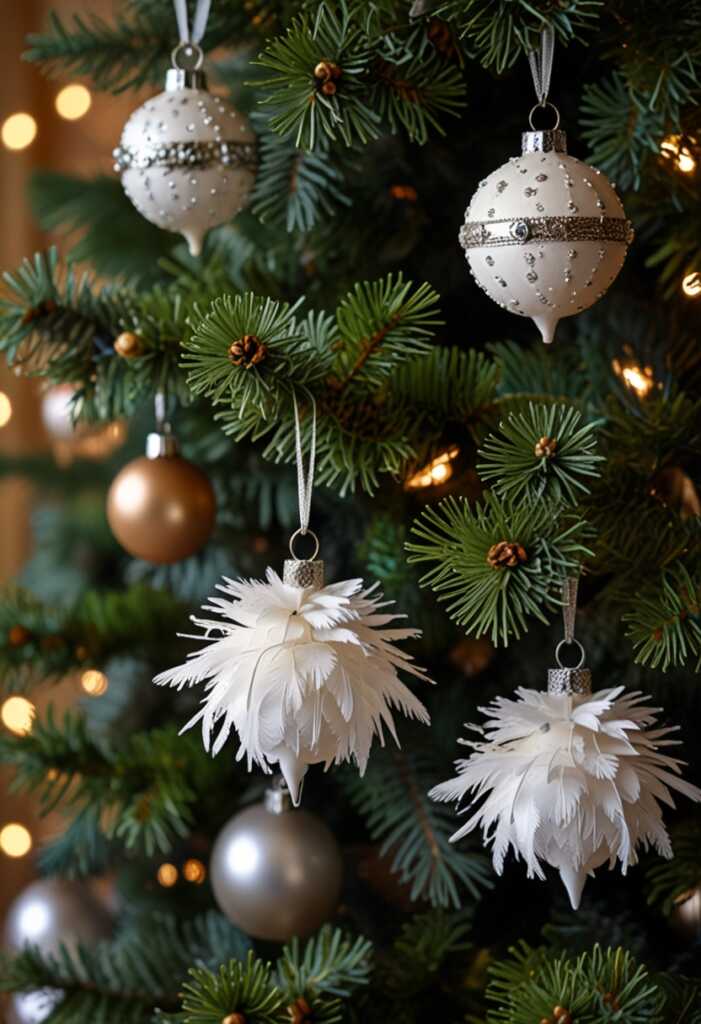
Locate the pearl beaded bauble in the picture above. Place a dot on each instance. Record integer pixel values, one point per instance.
(187, 158)
(545, 234)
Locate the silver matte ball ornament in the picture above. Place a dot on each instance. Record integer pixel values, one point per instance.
(545, 235)
(48, 913)
(187, 158)
(276, 872)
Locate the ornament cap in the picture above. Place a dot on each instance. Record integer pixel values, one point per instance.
(551, 140)
(277, 798)
(185, 78)
(303, 572)
(160, 444)
(569, 680)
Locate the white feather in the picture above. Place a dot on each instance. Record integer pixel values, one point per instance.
(303, 676)
(570, 781)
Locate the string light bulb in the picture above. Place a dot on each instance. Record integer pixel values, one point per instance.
(437, 471)
(167, 875)
(73, 101)
(691, 285)
(673, 148)
(17, 715)
(94, 682)
(5, 409)
(15, 840)
(636, 378)
(18, 131)
(194, 871)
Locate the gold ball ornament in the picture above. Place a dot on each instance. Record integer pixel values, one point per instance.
(160, 507)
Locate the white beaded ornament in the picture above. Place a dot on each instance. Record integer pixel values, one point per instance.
(187, 158)
(545, 235)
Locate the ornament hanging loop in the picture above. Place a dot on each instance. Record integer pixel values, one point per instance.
(541, 64)
(187, 56)
(567, 679)
(304, 533)
(542, 106)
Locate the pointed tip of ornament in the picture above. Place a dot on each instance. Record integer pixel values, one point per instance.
(293, 771)
(547, 327)
(194, 242)
(574, 880)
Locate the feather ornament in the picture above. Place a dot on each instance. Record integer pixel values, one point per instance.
(571, 780)
(302, 674)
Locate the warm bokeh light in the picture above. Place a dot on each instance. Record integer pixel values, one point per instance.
(5, 409)
(73, 101)
(18, 131)
(194, 871)
(167, 875)
(636, 378)
(437, 471)
(691, 285)
(17, 715)
(94, 682)
(674, 149)
(15, 840)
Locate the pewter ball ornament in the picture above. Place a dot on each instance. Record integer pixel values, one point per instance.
(545, 235)
(187, 158)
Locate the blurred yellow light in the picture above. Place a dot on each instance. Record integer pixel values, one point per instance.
(194, 871)
(167, 875)
(637, 378)
(94, 682)
(17, 715)
(691, 285)
(15, 840)
(73, 101)
(437, 471)
(18, 131)
(5, 409)
(673, 148)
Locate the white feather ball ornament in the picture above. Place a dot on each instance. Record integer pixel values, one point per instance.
(569, 779)
(302, 672)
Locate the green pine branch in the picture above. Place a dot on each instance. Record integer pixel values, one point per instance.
(40, 640)
(670, 882)
(414, 831)
(544, 453)
(496, 564)
(125, 980)
(140, 794)
(664, 620)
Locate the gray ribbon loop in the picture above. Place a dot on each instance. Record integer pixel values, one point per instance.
(199, 22)
(305, 481)
(542, 64)
(569, 608)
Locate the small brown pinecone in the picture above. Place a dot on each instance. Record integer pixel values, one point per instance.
(128, 345)
(329, 88)
(506, 555)
(234, 1018)
(300, 1011)
(545, 448)
(248, 351)
(562, 1015)
(326, 70)
(18, 636)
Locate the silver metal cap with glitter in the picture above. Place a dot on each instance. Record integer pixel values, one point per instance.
(277, 797)
(185, 78)
(303, 572)
(569, 680)
(552, 140)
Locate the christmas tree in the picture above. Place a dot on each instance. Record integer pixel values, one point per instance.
(277, 296)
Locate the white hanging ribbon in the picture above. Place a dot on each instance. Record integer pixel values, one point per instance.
(199, 22)
(542, 64)
(305, 481)
(569, 608)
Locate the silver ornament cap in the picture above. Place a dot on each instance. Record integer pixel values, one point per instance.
(551, 140)
(303, 572)
(569, 680)
(160, 444)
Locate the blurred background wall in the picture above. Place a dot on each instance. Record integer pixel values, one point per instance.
(52, 124)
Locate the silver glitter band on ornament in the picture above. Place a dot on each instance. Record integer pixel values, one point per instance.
(186, 154)
(519, 230)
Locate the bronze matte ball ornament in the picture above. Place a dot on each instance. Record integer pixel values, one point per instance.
(160, 507)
